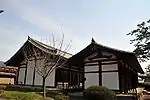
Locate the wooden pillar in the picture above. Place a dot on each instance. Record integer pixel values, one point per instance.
(25, 73)
(69, 76)
(120, 77)
(78, 79)
(17, 76)
(33, 77)
(100, 74)
(83, 77)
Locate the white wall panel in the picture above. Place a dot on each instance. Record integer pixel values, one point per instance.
(91, 68)
(21, 75)
(110, 80)
(29, 77)
(91, 79)
(38, 79)
(50, 81)
(110, 67)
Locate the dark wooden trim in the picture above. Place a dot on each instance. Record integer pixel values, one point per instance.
(17, 77)
(102, 71)
(91, 64)
(23, 67)
(109, 63)
(104, 60)
(83, 78)
(109, 71)
(69, 75)
(25, 77)
(100, 74)
(100, 56)
(33, 77)
(22, 64)
(116, 62)
(120, 77)
(75, 70)
(92, 72)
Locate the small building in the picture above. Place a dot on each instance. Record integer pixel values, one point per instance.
(7, 74)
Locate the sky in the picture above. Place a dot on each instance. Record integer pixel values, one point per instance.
(107, 21)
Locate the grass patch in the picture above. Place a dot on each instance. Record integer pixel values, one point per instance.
(56, 95)
(14, 95)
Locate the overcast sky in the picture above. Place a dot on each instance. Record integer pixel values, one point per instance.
(107, 21)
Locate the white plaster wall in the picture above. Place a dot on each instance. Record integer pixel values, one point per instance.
(110, 67)
(21, 75)
(110, 80)
(91, 79)
(91, 68)
(30, 70)
(50, 81)
(38, 79)
(91, 63)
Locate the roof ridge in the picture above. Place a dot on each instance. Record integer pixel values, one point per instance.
(111, 47)
(44, 45)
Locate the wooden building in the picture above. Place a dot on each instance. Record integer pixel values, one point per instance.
(94, 65)
(105, 66)
(7, 74)
(27, 75)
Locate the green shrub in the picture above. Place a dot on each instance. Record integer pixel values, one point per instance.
(98, 93)
(2, 88)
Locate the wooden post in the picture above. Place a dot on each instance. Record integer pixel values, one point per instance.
(69, 76)
(17, 77)
(83, 77)
(26, 73)
(120, 77)
(100, 74)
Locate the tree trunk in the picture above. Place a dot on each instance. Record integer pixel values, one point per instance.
(44, 87)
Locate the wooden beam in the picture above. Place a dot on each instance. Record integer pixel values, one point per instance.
(102, 71)
(92, 72)
(34, 74)
(109, 71)
(17, 78)
(102, 56)
(100, 74)
(104, 60)
(91, 64)
(69, 76)
(109, 63)
(25, 73)
(81, 71)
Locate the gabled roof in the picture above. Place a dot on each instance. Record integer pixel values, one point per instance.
(18, 56)
(128, 57)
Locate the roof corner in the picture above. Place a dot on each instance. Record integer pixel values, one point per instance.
(93, 41)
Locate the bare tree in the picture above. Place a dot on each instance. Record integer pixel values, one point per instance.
(48, 59)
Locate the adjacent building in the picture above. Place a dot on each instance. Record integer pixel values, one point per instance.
(96, 64)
